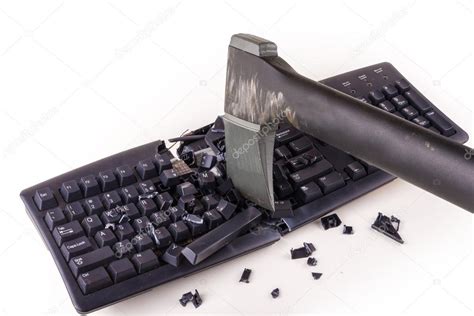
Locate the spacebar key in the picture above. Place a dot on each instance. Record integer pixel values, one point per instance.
(222, 235)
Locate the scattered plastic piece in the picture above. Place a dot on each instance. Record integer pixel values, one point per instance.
(197, 300)
(245, 276)
(110, 225)
(348, 230)
(383, 224)
(312, 261)
(303, 252)
(275, 293)
(331, 221)
(316, 275)
(186, 298)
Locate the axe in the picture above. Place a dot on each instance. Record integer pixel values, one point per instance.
(262, 90)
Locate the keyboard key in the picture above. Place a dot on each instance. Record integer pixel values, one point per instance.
(143, 242)
(186, 188)
(283, 152)
(164, 201)
(173, 255)
(124, 231)
(141, 224)
(209, 201)
(216, 239)
(162, 237)
(146, 187)
(297, 163)
(187, 203)
(308, 193)
(70, 191)
(402, 85)
(92, 225)
(76, 247)
(68, 231)
(331, 182)
(196, 225)
(355, 170)
(169, 178)
(409, 112)
(44, 199)
(111, 200)
(387, 106)
(212, 218)
(400, 102)
(440, 123)
(107, 180)
(206, 180)
(129, 194)
(130, 210)
(287, 134)
(147, 207)
(54, 218)
(89, 185)
(160, 218)
(111, 216)
(376, 96)
(389, 91)
(123, 248)
(226, 209)
(176, 213)
(91, 260)
(121, 270)
(179, 231)
(105, 237)
(420, 120)
(283, 209)
(369, 168)
(74, 211)
(162, 162)
(125, 175)
(94, 280)
(305, 176)
(301, 145)
(94, 205)
(418, 101)
(146, 169)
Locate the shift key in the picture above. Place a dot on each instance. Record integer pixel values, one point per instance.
(91, 260)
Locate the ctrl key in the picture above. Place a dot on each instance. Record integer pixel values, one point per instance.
(94, 280)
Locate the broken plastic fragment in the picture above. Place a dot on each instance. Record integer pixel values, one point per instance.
(197, 300)
(275, 293)
(312, 261)
(148, 196)
(110, 225)
(303, 252)
(348, 230)
(383, 224)
(316, 275)
(331, 221)
(186, 298)
(245, 276)
(193, 219)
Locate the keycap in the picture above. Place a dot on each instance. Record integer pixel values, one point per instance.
(305, 176)
(130, 210)
(355, 170)
(312, 156)
(186, 188)
(283, 152)
(169, 178)
(123, 248)
(76, 247)
(105, 237)
(206, 180)
(121, 270)
(282, 209)
(54, 218)
(369, 168)
(68, 231)
(74, 211)
(146, 169)
(124, 231)
(308, 193)
(89, 186)
(446, 128)
(162, 237)
(94, 280)
(44, 199)
(70, 191)
(209, 201)
(219, 237)
(187, 203)
(146, 187)
(376, 96)
(179, 231)
(287, 134)
(331, 182)
(283, 188)
(386, 106)
(91, 260)
(212, 218)
(160, 218)
(164, 201)
(208, 161)
(297, 163)
(300, 145)
(173, 255)
(402, 85)
(389, 91)
(125, 175)
(143, 242)
(107, 180)
(420, 120)
(141, 224)
(409, 112)
(111, 216)
(147, 207)
(92, 225)
(176, 213)
(111, 199)
(226, 209)
(197, 226)
(418, 101)
(93, 205)
(225, 186)
(400, 102)
(162, 162)
(129, 194)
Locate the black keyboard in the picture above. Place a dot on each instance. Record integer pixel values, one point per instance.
(143, 217)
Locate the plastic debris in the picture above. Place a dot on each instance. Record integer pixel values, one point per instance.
(275, 293)
(383, 224)
(330, 221)
(312, 261)
(190, 297)
(197, 300)
(348, 230)
(245, 276)
(303, 252)
(316, 275)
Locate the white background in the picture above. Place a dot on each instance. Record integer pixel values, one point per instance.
(83, 80)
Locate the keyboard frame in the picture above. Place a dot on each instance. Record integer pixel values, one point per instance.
(244, 244)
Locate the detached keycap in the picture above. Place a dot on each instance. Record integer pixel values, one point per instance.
(44, 199)
(91, 260)
(440, 123)
(145, 261)
(68, 231)
(94, 280)
(70, 191)
(121, 270)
